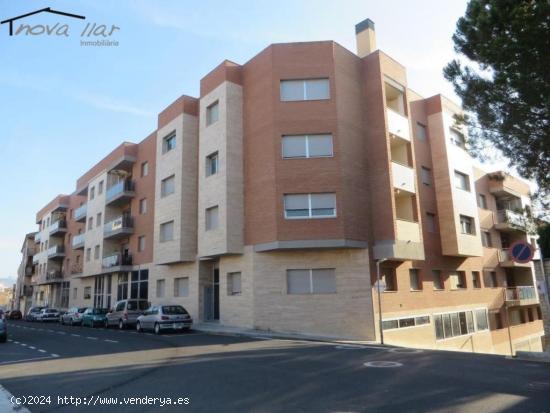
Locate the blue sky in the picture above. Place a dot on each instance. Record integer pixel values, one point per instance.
(63, 106)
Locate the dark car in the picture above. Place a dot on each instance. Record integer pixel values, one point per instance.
(33, 312)
(15, 315)
(3, 328)
(94, 317)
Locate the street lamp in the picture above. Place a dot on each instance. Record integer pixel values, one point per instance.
(378, 262)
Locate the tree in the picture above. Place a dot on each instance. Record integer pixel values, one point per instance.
(505, 84)
(544, 239)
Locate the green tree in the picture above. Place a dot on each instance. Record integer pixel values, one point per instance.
(544, 239)
(505, 83)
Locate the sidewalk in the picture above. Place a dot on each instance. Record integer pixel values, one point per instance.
(215, 328)
(533, 356)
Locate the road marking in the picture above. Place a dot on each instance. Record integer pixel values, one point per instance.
(54, 355)
(382, 364)
(61, 332)
(75, 335)
(91, 338)
(23, 344)
(42, 351)
(405, 350)
(16, 342)
(32, 347)
(110, 341)
(3, 363)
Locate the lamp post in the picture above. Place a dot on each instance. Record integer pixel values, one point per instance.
(378, 277)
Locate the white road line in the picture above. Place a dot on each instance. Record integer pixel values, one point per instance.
(16, 342)
(42, 351)
(32, 347)
(91, 338)
(54, 355)
(110, 341)
(61, 332)
(75, 335)
(22, 360)
(23, 344)
(10, 340)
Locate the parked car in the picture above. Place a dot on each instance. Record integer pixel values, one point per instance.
(73, 316)
(3, 329)
(33, 312)
(126, 312)
(94, 317)
(15, 315)
(48, 314)
(164, 317)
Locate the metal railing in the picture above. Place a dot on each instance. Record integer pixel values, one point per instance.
(53, 275)
(124, 221)
(126, 185)
(57, 225)
(521, 293)
(116, 260)
(78, 240)
(56, 249)
(80, 212)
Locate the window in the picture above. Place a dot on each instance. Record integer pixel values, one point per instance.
(143, 206)
(438, 280)
(314, 281)
(482, 201)
(166, 231)
(421, 132)
(139, 285)
(160, 288)
(92, 193)
(211, 218)
(457, 138)
(122, 288)
(481, 319)
(405, 322)
(212, 164)
(96, 252)
(181, 287)
(75, 293)
(100, 188)
(467, 225)
(414, 277)
(430, 222)
(486, 239)
(169, 143)
(167, 186)
(90, 223)
(144, 169)
(476, 280)
(307, 146)
(141, 243)
(426, 176)
(212, 113)
(459, 323)
(388, 276)
(458, 280)
(304, 89)
(462, 181)
(98, 220)
(234, 283)
(87, 293)
(88, 254)
(493, 279)
(310, 206)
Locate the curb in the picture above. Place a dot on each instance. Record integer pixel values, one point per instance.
(541, 357)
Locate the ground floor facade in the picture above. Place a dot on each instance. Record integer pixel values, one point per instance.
(451, 304)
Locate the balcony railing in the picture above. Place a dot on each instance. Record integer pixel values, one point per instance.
(120, 192)
(116, 260)
(58, 227)
(407, 230)
(80, 213)
(78, 241)
(120, 227)
(506, 260)
(521, 293)
(57, 251)
(403, 177)
(37, 237)
(76, 269)
(398, 125)
(54, 275)
(35, 259)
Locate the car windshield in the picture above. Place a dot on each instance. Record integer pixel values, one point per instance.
(173, 309)
(51, 311)
(81, 310)
(100, 311)
(134, 305)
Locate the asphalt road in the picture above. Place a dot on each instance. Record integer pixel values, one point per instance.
(219, 373)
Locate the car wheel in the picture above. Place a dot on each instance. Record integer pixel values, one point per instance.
(3, 339)
(120, 325)
(157, 328)
(61, 321)
(138, 327)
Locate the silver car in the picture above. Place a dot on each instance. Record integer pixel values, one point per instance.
(48, 314)
(126, 312)
(73, 316)
(164, 317)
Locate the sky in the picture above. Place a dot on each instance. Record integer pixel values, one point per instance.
(64, 106)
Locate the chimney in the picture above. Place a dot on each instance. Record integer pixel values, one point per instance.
(365, 37)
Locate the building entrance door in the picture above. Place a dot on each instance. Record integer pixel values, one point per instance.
(212, 297)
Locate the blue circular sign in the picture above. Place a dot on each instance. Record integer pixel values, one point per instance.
(521, 252)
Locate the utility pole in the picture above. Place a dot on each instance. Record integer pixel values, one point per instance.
(378, 278)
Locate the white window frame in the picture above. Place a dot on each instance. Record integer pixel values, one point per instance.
(311, 291)
(231, 283)
(404, 318)
(165, 148)
(310, 216)
(307, 155)
(304, 89)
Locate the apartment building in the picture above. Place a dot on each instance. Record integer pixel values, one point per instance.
(269, 202)
(26, 278)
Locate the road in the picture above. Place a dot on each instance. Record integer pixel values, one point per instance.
(220, 373)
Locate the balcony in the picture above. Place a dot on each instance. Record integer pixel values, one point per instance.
(508, 220)
(407, 245)
(58, 228)
(28, 271)
(398, 125)
(506, 261)
(27, 291)
(120, 193)
(35, 259)
(403, 177)
(57, 252)
(80, 213)
(521, 295)
(37, 238)
(117, 262)
(121, 227)
(78, 242)
(76, 269)
(54, 276)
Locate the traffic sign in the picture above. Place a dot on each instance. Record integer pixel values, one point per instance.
(521, 252)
